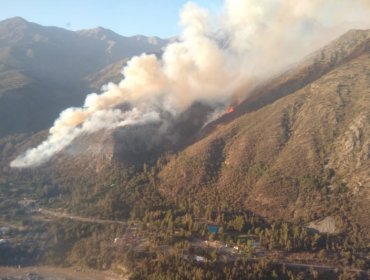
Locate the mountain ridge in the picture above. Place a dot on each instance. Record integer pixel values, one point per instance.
(54, 64)
(307, 70)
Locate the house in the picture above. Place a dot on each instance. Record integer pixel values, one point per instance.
(4, 241)
(212, 228)
(200, 259)
(4, 230)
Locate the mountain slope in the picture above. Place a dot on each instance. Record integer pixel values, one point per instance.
(44, 69)
(297, 149)
(301, 157)
(63, 56)
(346, 47)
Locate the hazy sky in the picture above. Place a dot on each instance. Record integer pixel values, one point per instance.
(126, 17)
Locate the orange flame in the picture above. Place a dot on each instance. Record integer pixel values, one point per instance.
(229, 110)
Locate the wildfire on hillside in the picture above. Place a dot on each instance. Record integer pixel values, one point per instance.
(229, 110)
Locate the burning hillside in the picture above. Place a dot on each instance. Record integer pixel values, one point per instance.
(212, 60)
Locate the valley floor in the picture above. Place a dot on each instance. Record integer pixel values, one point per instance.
(231, 253)
(165, 242)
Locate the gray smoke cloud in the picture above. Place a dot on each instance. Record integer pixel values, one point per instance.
(216, 57)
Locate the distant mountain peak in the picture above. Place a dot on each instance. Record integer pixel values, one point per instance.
(15, 22)
(14, 30)
(153, 40)
(100, 30)
(99, 33)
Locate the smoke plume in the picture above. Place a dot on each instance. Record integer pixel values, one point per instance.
(215, 58)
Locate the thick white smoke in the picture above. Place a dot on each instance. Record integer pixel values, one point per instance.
(215, 57)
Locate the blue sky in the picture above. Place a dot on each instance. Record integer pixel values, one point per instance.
(126, 17)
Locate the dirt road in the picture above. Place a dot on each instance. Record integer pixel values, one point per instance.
(62, 215)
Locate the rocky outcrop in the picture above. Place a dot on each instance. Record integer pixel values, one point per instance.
(326, 225)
